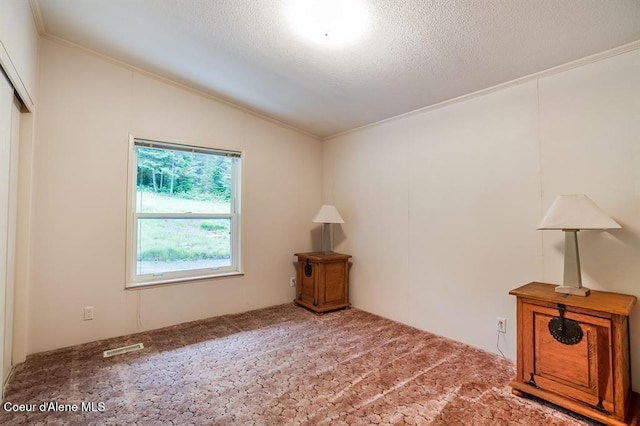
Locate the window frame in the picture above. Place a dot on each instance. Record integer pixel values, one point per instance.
(134, 280)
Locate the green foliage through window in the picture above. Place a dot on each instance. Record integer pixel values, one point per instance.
(189, 175)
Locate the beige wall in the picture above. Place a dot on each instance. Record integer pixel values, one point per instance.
(441, 206)
(87, 108)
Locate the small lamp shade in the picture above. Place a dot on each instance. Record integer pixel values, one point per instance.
(576, 211)
(328, 214)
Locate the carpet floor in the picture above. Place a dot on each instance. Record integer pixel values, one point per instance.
(275, 366)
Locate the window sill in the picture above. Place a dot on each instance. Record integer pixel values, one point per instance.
(182, 280)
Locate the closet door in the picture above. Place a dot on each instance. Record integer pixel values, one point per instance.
(6, 105)
(12, 226)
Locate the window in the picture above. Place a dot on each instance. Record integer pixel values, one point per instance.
(184, 215)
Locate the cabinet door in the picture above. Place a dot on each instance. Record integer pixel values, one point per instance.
(582, 371)
(308, 282)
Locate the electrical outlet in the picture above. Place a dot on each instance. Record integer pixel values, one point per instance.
(292, 282)
(87, 313)
(501, 325)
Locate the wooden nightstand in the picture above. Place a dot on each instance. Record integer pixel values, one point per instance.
(573, 351)
(322, 282)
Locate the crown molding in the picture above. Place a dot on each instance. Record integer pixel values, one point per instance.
(37, 16)
(182, 86)
(635, 45)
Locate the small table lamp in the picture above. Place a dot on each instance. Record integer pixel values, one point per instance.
(327, 215)
(571, 213)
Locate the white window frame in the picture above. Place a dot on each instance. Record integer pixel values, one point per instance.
(133, 279)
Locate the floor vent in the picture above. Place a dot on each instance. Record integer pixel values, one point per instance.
(123, 350)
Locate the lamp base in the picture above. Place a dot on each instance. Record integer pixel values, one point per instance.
(327, 238)
(576, 291)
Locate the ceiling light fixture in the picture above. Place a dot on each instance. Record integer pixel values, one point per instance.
(329, 22)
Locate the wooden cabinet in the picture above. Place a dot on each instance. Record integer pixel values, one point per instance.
(573, 351)
(322, 281)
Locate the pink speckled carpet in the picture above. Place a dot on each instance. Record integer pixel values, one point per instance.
(280, 365)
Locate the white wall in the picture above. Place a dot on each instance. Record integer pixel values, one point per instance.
(87, 108)
(441, 206)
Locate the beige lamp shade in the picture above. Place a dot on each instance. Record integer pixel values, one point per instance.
(576, 211)
(328, 214)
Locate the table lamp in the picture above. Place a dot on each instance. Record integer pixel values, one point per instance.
(327, 215)
(571, 213)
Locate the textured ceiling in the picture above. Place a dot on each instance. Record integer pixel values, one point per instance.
(414, 53)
